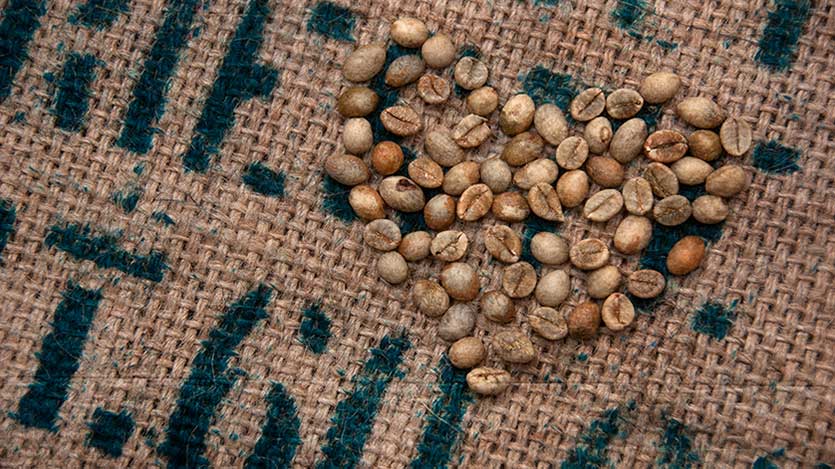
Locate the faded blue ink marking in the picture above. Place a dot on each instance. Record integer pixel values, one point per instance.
(163, 218)
(774, 158)
(315, 329)
(210, 380)
(279, 435)
(355, 414)
(148, 102)
(534, 225)
(714, 319)
(73, 94)
(677, 447)
(99, 14)
(110, 431)
(778, 44)
(20, 21)
(264, 180)
(127, 200)
(59, 358)
(103, 250)
(239, 79)
(139, 169)
(335, 199)
(593, 448)
(544, 86)
(8, 215)
(333, 21)
(629, 14)
(664, 237)
(19, 117)
(821, 465)
(583, 357)
(547, 3)
(766, 461)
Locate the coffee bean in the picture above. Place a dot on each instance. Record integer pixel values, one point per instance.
(603, 205)
(357, 101)
(439, 212)
(538, 171)
(545, 203)
(503, 243)
(471, 131)
(346, 169)
(624, 103)
(366, 202)
(483, 101)
(519, 280)
(548, 323)
(364, 62)
(700, 112)
(517, 114)
(430, 298)
(646, 283)
(460, 177)
(392, 268)
(598, 134)
(488, 381)
(589, 254)
(426, 173)
(442, 148)
(467, 352)
(588, 104)
(633, 234)
(710, 209)
(457, 322)
(550, 123)
(736, 136)
(705, 145)
(510, 207)
(401, 120)
(573, 187)
(449, 246)
(553, 288)
(605, 171)
(415, 246)
(497, 307)
(386, 158)
(727, 181)
(460, 281)
(496, 173)
(402, 194)
(433, 89)
(357, 136)
(409, 32)
(628, 140)
(549, 248)
(470, 73)
(617, 312)
(691, 171)
(660, 87)
(665, 146)
(584, 320)
(572, 152)
(637, 196)
(475, 202)
(686, 255)
(672, 211)
(523, 149)
(513, 347)
(603, 281)
(404, 70)
(662, 180)
(382, 235)
(438, 51)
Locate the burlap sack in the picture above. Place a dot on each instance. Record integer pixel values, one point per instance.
(175, 361)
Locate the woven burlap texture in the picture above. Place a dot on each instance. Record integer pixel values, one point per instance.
(769, 384)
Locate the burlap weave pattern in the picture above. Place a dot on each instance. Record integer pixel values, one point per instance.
(769, 384)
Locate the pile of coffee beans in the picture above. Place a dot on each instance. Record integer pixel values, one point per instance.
(587, 171)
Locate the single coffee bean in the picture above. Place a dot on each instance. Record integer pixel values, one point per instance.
(488, 381)
(605, 171)
(392, 268)
(467, 352)
(523, 148)
(617, 312)
(665, 146)
(672, 211)
(471, 131)
(624, 103)
(439, 212)
(460, 177)
(686, 255)
(589, 254)
(366, 202)
(572, 153)
(549, 248)
(457, 322)
(538, 171)
(430, 298)
(510, 207)
(710, 209)
(519, 280)
(660, 87)
(553, 288)
(364, 62)
(426, 173)
(550, 123)
(460, 281)
(705, 145)
(587, 105)
(637, 196)
(386, 158)
(475, 202)
(470, 73)
(545, 203)
(415, 246)
(346, 169)
(357, 101)
(736, 136)
(357, 136)
(401, 120)
(483, 101)
(662, 180)
(449, 246)
(409, 32)
(438, 51)
(628, 140)
(727, 181)
(700, 112)
(514, 347)
(442, 148)
(633, 234)
(691, 171)
(598, 134)
(646, 283)
(603, 205)
(548, 323)
(584, 320)
(573, 187)
(497, 307)
(382, 235)
(603, 282)
(404, 70)
(401, 193)
(496, 173)
(503, 243)
(433, 89)
(517, 114)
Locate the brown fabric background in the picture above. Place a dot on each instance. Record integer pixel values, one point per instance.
(777, 254)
